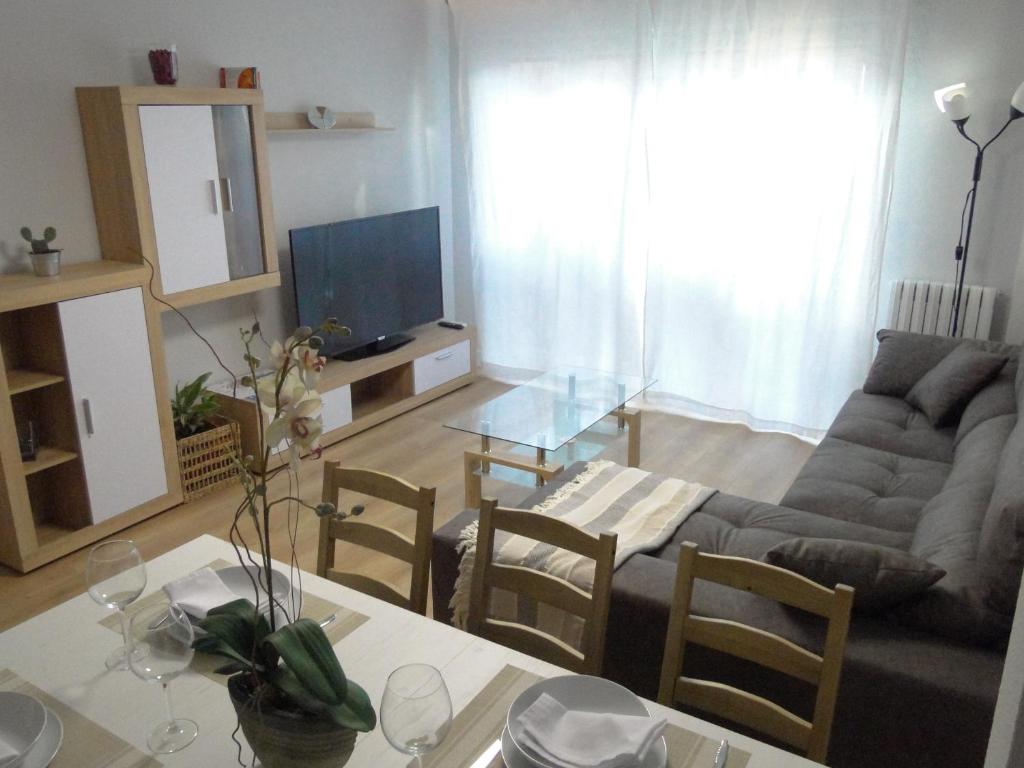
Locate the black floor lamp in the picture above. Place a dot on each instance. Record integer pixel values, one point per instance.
(952, 100)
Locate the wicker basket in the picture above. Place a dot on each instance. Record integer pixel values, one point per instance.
(207, 460)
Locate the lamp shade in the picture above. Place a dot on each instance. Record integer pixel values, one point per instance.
(957, 108)
(1017, 103)
(942, 96)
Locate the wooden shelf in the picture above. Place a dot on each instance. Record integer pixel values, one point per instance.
(47, 458)
(239, 287)
(24, 289)
(297, 123)
(20, 380)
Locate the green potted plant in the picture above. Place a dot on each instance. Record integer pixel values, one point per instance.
(295, 704)
(208, 444)
(193, 407)
(45, 260)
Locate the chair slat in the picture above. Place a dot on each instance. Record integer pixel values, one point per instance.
(532, 641)
(755, 645)
(744, 708)
(375, 537)
(551, 530)
(541, 587)
(379, 485)
(368, 586)
(766, 580)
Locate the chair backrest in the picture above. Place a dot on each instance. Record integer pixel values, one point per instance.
(542, 587)
(415, 551)
(758, 646)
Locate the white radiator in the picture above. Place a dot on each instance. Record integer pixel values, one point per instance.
(921, 307)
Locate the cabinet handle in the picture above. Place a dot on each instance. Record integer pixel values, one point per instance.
(229, 200)
(87, 413)
(445, 355)
(215, 194)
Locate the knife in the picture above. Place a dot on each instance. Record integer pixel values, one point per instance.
(722, 755)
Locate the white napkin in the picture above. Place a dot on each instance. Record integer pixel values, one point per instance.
(199, 593)
(571, 739)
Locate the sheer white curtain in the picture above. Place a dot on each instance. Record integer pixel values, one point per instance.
(696, 189)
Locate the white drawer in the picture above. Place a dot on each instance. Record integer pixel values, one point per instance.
(444, 365)
(336, 407)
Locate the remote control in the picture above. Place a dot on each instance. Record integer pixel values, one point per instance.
(451, 324)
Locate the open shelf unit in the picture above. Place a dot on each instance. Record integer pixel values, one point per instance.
(35, 377)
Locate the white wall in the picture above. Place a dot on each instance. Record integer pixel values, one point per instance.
(951, 41)
(390, 57)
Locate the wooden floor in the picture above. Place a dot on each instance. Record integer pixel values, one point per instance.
(418, 448)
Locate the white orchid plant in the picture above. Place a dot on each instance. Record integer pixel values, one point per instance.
(291, 665)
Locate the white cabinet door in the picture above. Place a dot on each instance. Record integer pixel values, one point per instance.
(336, 407)
(185, 193)
(111, 376)
(440, 367)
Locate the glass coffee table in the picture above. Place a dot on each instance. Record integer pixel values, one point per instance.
(547, 414)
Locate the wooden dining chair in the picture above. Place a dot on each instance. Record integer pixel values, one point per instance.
(415, 551)
(758, 646)
(542, 587)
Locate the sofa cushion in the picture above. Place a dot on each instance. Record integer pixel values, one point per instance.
(903, 358)
(949, 535)
(944, 392)
(868, 486)
(1002, 535)
(891, 424)
(999, 398)
(880, 576)
(733, 525)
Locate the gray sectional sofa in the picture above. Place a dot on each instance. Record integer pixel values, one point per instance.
(921, 677)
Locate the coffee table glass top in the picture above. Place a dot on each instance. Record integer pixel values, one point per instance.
(552, 409)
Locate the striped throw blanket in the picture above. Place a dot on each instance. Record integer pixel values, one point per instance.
(644, 509)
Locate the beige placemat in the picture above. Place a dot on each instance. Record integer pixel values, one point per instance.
(313, 607)
(86, 744)
(481, 722)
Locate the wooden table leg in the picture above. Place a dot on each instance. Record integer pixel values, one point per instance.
(473, 459)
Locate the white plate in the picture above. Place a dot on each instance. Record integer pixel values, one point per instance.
(46, 748)
(510, 753)
(22, 722)
(583, 693)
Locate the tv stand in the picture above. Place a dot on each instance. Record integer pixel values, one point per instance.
(379, 347)
(357, 395)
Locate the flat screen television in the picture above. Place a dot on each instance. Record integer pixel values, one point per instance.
(380, 276)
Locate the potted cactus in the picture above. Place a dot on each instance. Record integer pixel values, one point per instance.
(45, 260)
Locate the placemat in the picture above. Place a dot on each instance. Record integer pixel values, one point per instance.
(481, 722)
(86, 744)
(313, 607)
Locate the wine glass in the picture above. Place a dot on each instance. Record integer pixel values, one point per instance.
(116, 575)
(416, 710)
(164, 634)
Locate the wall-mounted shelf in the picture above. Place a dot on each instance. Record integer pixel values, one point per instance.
(46, 458)
(297, 123)
(20, 380)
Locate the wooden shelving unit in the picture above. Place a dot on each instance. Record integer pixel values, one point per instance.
(45, 508)
(297, 124)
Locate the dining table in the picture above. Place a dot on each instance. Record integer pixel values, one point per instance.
(59, 655)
